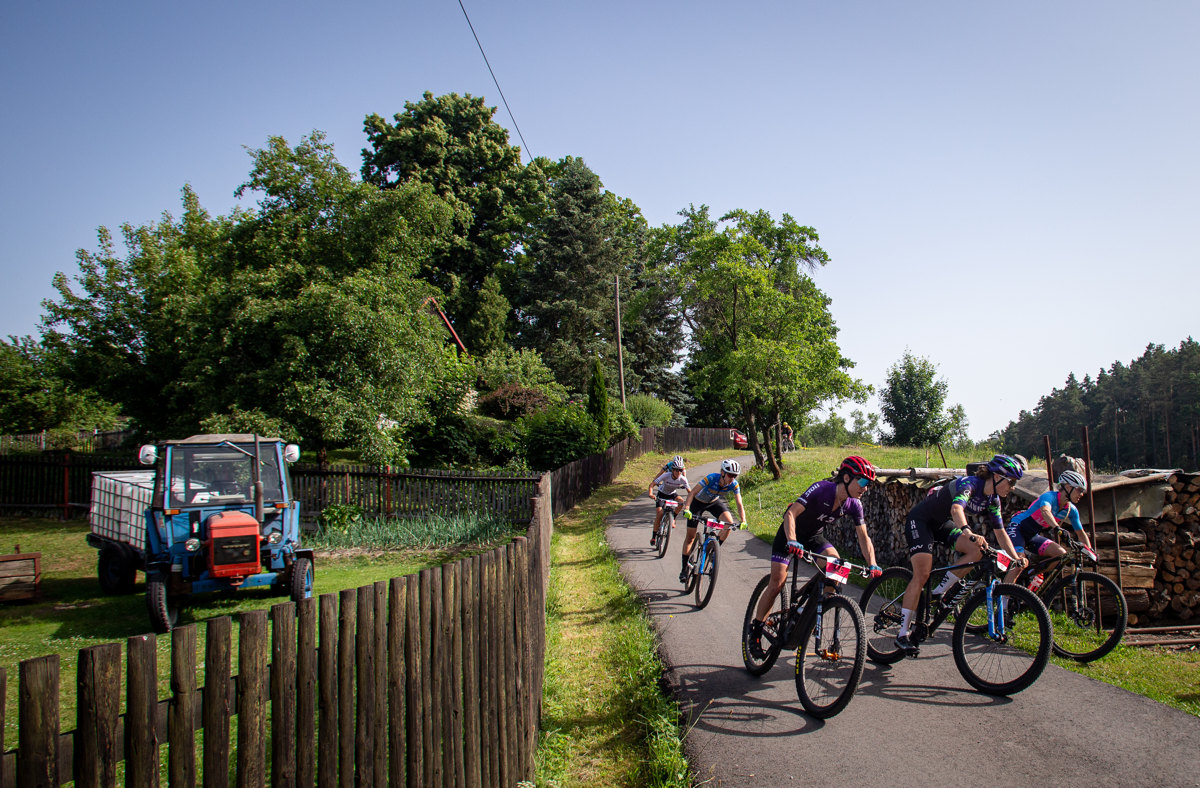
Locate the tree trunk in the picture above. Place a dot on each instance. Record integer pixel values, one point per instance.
(773, 458)
(752, 435)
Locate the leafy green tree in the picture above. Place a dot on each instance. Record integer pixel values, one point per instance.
(762, 334)
(598, 405)
(485, 330)
(649, 411)
(557, 435)
(865, 427)
(452, 144)
(569, 312)
(956, 429)
(912, 402)
(33, 398)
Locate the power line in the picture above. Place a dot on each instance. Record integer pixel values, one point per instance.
(512, 117)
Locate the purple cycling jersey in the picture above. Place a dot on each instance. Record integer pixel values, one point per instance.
(818, 509)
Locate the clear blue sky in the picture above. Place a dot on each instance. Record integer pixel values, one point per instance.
(1011, 190)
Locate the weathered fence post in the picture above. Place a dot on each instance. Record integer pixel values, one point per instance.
(99, 708)
(327, 685)
(347, 598)
(283, 694)
(181, 717)
(218, 693)
(306, 688)
(365, 722)
(397, 606)
(469, 616)
(141, 698)
(252, 699)
(415, 728)
(380, 590)
(37, 716)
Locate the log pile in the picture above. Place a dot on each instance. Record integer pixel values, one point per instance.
(1175, 538)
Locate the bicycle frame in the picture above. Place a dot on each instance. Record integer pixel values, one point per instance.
(709, 533)
(996, 625)
(807, 602)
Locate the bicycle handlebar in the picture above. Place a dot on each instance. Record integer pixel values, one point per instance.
(809, 557)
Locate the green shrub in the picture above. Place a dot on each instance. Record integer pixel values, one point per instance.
(557, 435)
(752, 477)
(649, 411)
(620, 424)
(340, 518)
(597, 406)
(524, 368)
(512, 401)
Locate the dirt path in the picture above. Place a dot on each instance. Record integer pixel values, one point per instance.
(906, 722)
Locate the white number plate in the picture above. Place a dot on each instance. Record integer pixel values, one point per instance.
(1003, 561)
(837, 572)
(1089, 554)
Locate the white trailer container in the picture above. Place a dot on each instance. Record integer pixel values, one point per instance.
(117, 517)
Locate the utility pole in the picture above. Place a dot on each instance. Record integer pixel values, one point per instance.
(620, 357)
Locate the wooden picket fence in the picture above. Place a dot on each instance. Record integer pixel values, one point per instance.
(681, 439)
(429, 679)
(383, 492)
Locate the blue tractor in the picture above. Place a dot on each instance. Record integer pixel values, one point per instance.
(218, 514)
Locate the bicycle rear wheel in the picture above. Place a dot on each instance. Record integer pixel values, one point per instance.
(881, 611)
(706, 572)
(770, 637)
(1017, 655)
(828, 675)
(1075, 603)
(664, 533)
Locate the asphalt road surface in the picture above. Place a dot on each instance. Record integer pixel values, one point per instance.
(913, 723)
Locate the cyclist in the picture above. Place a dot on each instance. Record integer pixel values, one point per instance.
(942, 517)
(803, 528)
(669, 485)
(1053, 507)
(708, 496)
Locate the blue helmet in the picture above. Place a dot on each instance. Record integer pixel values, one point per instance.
(1005, 466)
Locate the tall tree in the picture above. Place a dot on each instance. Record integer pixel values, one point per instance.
(912, 402)
(762, 335)
(568, 311)
(453, 144)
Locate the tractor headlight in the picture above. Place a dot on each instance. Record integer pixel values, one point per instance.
(275, 537)
(192, 545)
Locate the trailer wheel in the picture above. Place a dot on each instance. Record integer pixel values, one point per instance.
(115, 571)
(163, 607)
(301, 582)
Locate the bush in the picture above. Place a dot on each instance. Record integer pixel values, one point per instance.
(523, 368)
(620, 423)
(648, 411)
(512, 401)
(557, 435)
(753, 477)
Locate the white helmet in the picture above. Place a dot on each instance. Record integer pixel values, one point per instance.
(731, 467)
(1073, 479)
(677, 461)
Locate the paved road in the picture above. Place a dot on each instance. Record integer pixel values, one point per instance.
(906, 722)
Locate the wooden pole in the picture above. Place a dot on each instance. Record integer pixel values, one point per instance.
(620, 358)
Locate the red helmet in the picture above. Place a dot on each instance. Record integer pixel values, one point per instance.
(858, 466)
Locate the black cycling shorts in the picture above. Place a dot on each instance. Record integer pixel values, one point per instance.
(714, 508)
(814, 542)
(922, 535)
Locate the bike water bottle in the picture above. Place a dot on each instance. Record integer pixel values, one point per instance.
(1036, 582)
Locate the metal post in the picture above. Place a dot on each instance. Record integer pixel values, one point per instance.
(1049, 464)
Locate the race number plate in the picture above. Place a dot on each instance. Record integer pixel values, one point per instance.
(1003, 561)
(1090, 554)
(837, 572)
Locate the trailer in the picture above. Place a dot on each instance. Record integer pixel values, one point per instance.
(217, 514)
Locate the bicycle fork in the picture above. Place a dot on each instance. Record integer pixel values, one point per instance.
(995, 611)
(834, 651)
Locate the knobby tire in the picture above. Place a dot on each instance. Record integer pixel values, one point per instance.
(881, 613)
(1002, 668)
(826, 681)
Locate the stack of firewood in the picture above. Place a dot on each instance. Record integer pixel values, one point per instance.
(1175, 538)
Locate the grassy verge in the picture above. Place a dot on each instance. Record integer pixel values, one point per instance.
(1165, 675)
(605, 719)
(72, 613)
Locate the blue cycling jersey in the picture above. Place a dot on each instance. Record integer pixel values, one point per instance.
(710, 488)
(1029, 522)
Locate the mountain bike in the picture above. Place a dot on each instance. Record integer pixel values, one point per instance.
(1088, 609)
(662, 535)
(702, 560)
(828, 671)
(1002, 632)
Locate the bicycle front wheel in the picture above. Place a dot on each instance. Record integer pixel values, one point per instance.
(770, 641)
(881, 612)
(706, 573)
(664, 534)
(1089, 614)
(830, 660)
(1012, 658)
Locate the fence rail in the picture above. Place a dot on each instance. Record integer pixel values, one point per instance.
(428, 679)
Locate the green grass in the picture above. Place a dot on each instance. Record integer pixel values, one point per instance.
(72, 613)
(605, 719)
